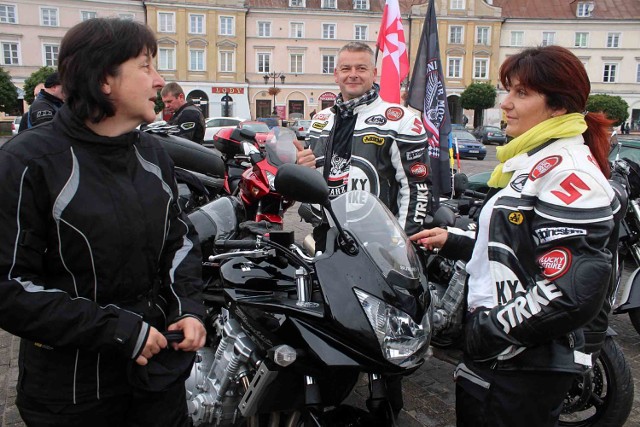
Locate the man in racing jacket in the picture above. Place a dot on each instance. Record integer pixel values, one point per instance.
(365, 143)
(186, 116)
(47, 102)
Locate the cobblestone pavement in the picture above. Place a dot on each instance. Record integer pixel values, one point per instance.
(428, 393)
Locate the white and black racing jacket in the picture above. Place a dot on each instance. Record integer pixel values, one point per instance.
(388, 158)
(540, 267)
(89, 225)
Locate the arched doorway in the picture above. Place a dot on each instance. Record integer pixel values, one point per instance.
(201, 100)
(327, 99)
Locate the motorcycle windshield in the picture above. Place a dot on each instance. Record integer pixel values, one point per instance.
(379, 234)
(279, 146)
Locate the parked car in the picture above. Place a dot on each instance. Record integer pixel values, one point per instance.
(490, 134)
(260, 128)
(214, 124)
(15, 125)
(301, 128)
(468, 145)
(270, 121)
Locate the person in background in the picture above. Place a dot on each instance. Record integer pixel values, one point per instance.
(100, 261)
(47, 102)
(25, 119)
(313, 113)
(186, 116)
(365, 143)
(540, 266)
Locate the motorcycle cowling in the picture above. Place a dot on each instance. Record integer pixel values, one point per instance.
(229, 140)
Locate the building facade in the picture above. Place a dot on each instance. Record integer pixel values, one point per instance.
(201, 46)
(31, 30)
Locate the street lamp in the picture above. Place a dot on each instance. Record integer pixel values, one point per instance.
(273, 75)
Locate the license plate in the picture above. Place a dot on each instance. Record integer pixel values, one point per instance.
(474, 151)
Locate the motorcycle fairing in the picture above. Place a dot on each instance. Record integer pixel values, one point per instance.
(631, 297)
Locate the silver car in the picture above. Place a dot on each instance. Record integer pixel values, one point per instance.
(301, 127)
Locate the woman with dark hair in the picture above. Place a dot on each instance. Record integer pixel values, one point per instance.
(538, 268)
(98, 259)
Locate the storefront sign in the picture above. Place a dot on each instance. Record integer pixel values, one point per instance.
(229, 90)
(327, 96)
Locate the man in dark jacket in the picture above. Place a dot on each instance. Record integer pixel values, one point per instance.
(186, 116)
(47, 102)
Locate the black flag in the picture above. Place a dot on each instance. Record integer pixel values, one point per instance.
(428, 94)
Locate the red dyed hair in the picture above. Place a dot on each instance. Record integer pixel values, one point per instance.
(559, 75)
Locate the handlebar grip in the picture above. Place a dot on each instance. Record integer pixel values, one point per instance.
(174, 336)
(475, 194)
(235, 244)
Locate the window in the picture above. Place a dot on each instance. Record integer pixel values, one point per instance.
(227, 61)
(481, 68)
(638, 73)
(454, 68)
(548, 38)
(166, 22)
(8, 14)
(613, 40)
(482, 35)
(296, 3)
(328, 31)
(128, 16)
(264, 62)
(297, 30)
(609, 75)
(51, 55)
(455, 34)
(226, 26)
(360, 32)
(87, 14)
(517, 38)
(328, 4)
(196, 24)
(584, 9)
(581, 40)
(264, 29)
(296, 61)
(49, 17)
(361, 4)
(166, 58)
(196, 60)
(328, 64)
(457, 5)
(10, 53)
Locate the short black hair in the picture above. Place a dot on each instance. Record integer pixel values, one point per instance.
(92, 50)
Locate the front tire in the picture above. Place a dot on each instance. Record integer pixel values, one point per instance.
(603, 396)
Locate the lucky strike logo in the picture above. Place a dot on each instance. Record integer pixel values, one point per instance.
(544, 166)
(419, 169)
(394, 113)
(555, 263)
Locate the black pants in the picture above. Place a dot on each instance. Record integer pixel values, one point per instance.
(139, 409)
(513, 398)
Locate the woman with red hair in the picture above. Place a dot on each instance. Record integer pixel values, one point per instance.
(538, 268)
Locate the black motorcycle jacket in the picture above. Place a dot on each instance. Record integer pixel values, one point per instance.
(43, 109)
(388, 158)
(93, 240)
(543, 274)
(190, 122)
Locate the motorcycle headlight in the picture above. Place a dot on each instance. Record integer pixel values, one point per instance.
(403, 341)
(271, 177)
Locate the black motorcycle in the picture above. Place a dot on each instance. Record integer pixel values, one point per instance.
(290, 335)
(602, 396)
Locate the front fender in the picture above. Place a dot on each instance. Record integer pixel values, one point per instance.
(630, 298)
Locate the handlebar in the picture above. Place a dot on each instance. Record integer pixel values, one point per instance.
(227, 245)
(475, 194)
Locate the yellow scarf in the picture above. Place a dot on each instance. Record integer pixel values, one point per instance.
(564, 126)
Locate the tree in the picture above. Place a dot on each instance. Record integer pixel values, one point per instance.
(8, 94)
(478, 97)
(159, 104)
(613, 107)
(33, 80)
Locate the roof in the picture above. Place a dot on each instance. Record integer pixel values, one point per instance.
(566, 9)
